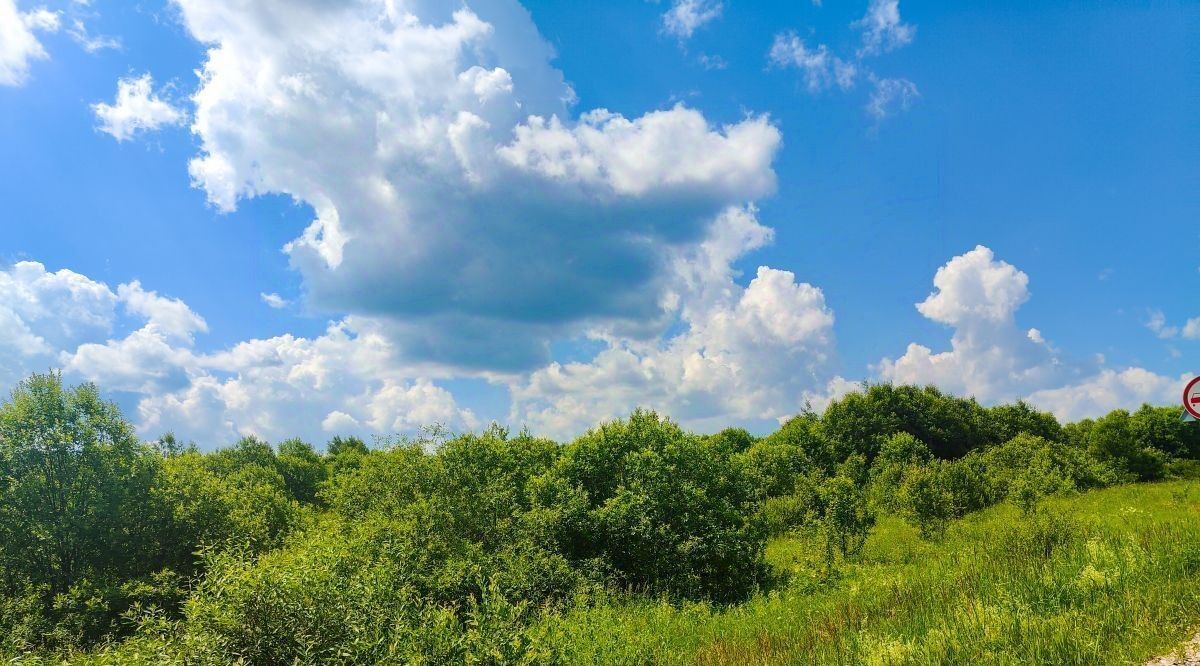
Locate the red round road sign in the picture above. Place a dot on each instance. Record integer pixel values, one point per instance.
(1191, 397)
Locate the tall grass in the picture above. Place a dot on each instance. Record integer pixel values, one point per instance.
(1107, 577)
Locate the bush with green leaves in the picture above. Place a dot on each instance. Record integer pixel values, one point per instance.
(1050, 467)
(897, 454)
(847, 516)
(378, 590)
(655, 509)
(860, 422)
(798, 510)
(1006, 421)
(214, 503)
(1114, 439)
(805, 433)
(772, 468)
(938, 491)
(303, 469)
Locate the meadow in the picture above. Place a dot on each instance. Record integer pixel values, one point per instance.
(1105, 577)
(900, 525)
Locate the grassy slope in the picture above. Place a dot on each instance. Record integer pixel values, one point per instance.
(1109, 577)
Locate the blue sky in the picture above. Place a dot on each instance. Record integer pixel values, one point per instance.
(472, 263)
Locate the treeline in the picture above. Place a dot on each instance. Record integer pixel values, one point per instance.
(446, 550)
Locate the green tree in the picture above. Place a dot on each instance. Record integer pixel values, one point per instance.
(74, 486)
(897, 453)
(848, 517)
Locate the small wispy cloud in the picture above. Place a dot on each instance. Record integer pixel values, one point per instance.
(274, 300)
(890, 95)
(821, 68)
(712, 61)
(883, 30)
(91, 43)
(1157, 322)
(686, 16)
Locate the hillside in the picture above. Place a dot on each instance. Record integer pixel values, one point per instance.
(1105, 577)
(900, 525)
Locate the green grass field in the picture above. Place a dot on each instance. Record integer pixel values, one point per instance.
(1107, 577)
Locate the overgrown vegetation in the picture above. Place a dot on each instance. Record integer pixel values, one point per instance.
(859, 535)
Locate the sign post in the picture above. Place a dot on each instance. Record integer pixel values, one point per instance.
(1191, 400)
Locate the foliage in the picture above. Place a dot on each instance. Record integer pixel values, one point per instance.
(497, 548)
(77, 516)
(848, 517)
(949, 426)
(1107, 577)
(896, 455)
(73, 484)
(1114, 438)
(655, 509)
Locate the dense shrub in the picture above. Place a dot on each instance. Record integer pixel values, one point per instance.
(302, 468)
(805, 433)
(376, 591)
(1007, 421)
(1113, 438)
(215, 503)
(949, 426)
(1047, 467)
(799, 509)
(846, 514)
(934, 493)
(772, 469)
(448, 549)
(656, 510)
(897, 454)
(1160, 428)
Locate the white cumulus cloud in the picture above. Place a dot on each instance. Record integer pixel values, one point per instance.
(744, 352)
(133, 340)
(137, 108)
(19, 43)
(993, 359)
(1108, 390)
(437, 140)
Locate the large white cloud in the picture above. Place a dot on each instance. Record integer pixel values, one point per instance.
(19, 43)
(456, 196)
(133, 340)
(346, 381)
(993, 359)
(1109, 390)
(42, 312)
(990, 357)
(744, 352)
